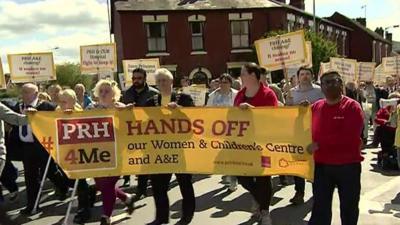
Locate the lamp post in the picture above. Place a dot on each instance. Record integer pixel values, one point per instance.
(315, 18)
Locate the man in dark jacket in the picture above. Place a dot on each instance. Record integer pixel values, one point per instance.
(34, 156)
(138, 94)
(160, 182)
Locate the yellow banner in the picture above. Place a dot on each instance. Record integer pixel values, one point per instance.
(262, 141)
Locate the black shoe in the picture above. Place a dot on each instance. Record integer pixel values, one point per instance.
(92, 196)
(157, 222)
(371, 146)
(184, 221)
(61, 195)
(130, 204)
(105, 221)
(28, 211)
(283, 181)
(298, 198)
(139, 196)
(82, 216)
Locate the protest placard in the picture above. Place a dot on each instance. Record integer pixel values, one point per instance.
(122, 83)
(324, 67)
(3, 84)
(366, 71)
(391, 65)
(281, 51)
(347, 68)
(98, 58)
(150, 65)
(31, 67)
(309, 59)
(198, 94)
(380, 75)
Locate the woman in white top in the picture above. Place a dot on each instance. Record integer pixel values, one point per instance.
(224, 96)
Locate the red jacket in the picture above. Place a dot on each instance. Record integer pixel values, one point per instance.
(337, 130)
(382, 117)
(264, 97)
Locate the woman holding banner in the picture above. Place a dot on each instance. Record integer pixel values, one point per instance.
(160, 182)
(68, 103)
(108, 93)
(255, 94)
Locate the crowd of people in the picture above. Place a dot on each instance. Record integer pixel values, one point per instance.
(343, 113)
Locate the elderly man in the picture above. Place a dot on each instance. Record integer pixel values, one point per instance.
(34, 156)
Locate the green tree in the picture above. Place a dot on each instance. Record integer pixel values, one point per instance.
(322, 49)
(69, 74)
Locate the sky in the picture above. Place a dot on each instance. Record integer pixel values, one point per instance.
(43, 25)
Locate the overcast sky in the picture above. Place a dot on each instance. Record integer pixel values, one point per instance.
(41, 25)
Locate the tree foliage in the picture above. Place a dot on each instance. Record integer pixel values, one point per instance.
(69, 74)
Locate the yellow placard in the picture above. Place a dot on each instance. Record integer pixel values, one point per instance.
(366, 71)
(281, 51)
(347, 68)
(3, 84)
(391, 65)
(31, 67)
(150, 65)
(309, 59)
(323, 68)
(380, 75)
(98, 58)
(198, 94)
(256, 142)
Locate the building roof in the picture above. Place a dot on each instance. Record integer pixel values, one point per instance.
(161, 5)
(371, 33)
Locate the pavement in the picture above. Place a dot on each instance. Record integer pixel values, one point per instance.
(380, 203)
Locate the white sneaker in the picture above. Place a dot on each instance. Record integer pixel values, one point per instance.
(265, 218)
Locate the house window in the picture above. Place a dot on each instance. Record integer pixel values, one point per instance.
(240, 34)
(197, 35)
(344, 35)
(156, 37)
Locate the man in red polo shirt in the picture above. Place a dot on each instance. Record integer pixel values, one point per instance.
(337, 123)
(255, 94)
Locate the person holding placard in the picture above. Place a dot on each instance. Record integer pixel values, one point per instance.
(160, 182)
(386, 131)
(337, 122)
(304, 93)
(255, 94)
(138, 94)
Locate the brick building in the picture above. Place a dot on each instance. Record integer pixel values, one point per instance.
(205, 38)
(366, 45)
